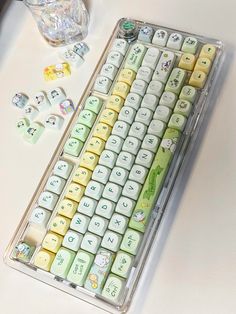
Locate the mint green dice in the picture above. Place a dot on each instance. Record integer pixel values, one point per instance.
(94, 104)
(33, 132)
(62, 262)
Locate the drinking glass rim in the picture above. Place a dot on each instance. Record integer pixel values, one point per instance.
(30, 3)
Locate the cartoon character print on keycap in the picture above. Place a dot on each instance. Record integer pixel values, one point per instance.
(93, 280)
(139, 216)
(165, 66)
(54, 93)
(175, 37)
(152, 183)
(51, 120)
(22, 250)
(39, 98)
(31, 131)
(102, 259)
(20, 124)
(145, 30)
(17, 100)
(59, 70)
(169, 143)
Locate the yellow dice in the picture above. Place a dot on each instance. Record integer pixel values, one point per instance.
(102, 131)
(108, 116)
(95, 145)
(44, 259)
(197, 79)
(52, 242)
(127, 76)
(121, 89)
(208, 51)
(82, 176)
(89, 160)
(67, 208)
(115, 103)
(55, 71)
(187, 61)
(203, 64)
(60, 225)
(75, 191)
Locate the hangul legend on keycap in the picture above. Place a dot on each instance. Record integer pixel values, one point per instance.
(93, 219)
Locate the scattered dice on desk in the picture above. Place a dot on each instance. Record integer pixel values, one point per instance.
(66, 106)
(20, 100)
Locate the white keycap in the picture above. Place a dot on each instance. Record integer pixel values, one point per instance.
(41, 101)
(98, 225)
(55, 184)
(112, 191)
(94, 190)
(115, 58)
(119, 175)
(109, 70)
(101, 174)
(157, 128)
(168, 99)
(91, 243)
(125, 160)
(160, 37)
(132, 189)
(80, 223)
(108, 158)
(114, 143)
(111, 241)
(133, 100)
(145, 34)
(145, 74)
(30, 112)
(151, 58)
(155, 88)
(131, 145)
(72, 240)
(138, 87)
(102, 84)
(40, 217)
(53, 122)
(68, 55)
(144, 158)
(144, 116)
(120, 45)
(87, 206)
(164, 66)
(162, 113)
(175, 41)
(150, 102)
(47, 200)
(118, 223)
(62, 169)
(138, 173)
(138, 130)
(121, 129)
(151, 142)
(127, 114)
(56, 96)
(105, 208)
(125, 206)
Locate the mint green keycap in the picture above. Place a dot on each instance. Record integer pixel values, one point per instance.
(87, 118)
(131, 241)
(176, 81)
(155, 179)
(33, 133)
(22, 125)
(80, 132)
(99, 271)
(80, 268)
(135, 57)
(114, 288)
(122, 264)
(188, 93)
(62, 262)
(183, 107)
(93, 103)
(177, 121)
(111, 240)
(73, 147)
(190, 45)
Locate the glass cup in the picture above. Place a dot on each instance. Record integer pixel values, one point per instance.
(61, 22)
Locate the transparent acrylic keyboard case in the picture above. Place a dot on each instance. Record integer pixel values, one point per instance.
(115, 296)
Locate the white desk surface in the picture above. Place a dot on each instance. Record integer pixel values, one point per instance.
(194, 272)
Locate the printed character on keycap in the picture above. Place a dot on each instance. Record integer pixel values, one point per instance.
(102, 259)
(169, 143)
(59, 68)
(94, 280)
(51, 120)
(139, 216)
(19, 100)
(31, 131)
(54, 93)
(165, 66)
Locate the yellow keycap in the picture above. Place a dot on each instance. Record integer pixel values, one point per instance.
(95, 145)
(187, 61)
(115, 103)
(102, 131)
(52, 242)
(67, 208)
(198, 79)
(44, 259)
(82, 176)
(203, 64)
(75, 191)
(208, 51)
(55, 71)
(60, 225)
(121, 89)
(108, 116)
(126, 76)
(89, 161)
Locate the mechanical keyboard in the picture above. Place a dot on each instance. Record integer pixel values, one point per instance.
(93, 218)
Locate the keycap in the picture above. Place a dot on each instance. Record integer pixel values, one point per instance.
(82, 175)
(120, 45)
(122, 264)
(95, 145)
(125, 160)
(145, 74)
(23, 251)
(138, 173)
(87, 206)
(177, 121)
(53, 122)
(115, 103)
(79, 223)
(183, 107)
(160, 37)
(203, 64)
(108, 158)
(41, 101)
(115, 58)
(144, 158)
(198, 79)
(62, 169)
(113, 288)
(132, 145)
(93, 104)
(60, 225)
(135, 57)
(56, 96)
(190, 45)
(40, 217)
(125, 206)
(80, 267)
(127, 114)
(121, 89)
(187, 61)
(150, 141)
(164, 66)
(138, 87)
(131, 241)
(105, 208)
(55, 184)
(75, 191)
(67, 208)
(208, 51)
(66, 106)
(175, 41)
(109, 70)
(52, 242)
(151, 58)
(145, 34)
(33, 132)
(94, 190)
(119, 175)
(56, 71)
(101, 174)
(89, 161)
(20, 100)
(149, 101)
(99, 271)
(108, 116)
(87, 118)
(118, 223)
(71, 57)
(127, 76)
(90, 243)
(168, 99)
(102, 84)
(111, 241)
(30, 112)
(81, 48)
(73, 147)
(144, 116)
(112, 191)
(47, 200)
(188, 93)
(155, 88)
(72, 240)
(102, 130)
(176, 80)
(162, 113)
(62, 262)
(98, 225)
(133, 100)
(114, 143)
(138, 130)
(131, 189)
(22, 125)
(43, 259)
